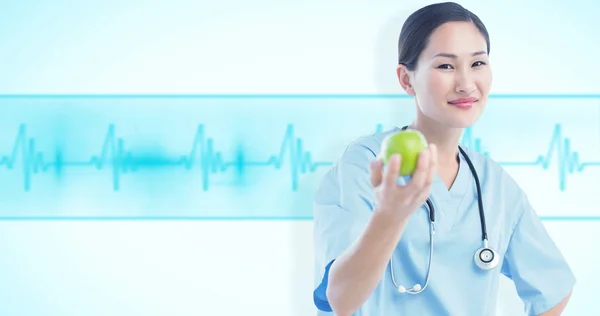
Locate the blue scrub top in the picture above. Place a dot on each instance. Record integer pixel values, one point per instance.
(343, 204)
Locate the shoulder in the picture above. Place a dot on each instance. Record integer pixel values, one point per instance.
(491, 172)
(366, 145)
(363, 149)
(351, 168)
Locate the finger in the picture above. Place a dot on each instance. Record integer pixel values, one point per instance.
(390, 177)
(419, 177)
(422, 195)
(376, 172)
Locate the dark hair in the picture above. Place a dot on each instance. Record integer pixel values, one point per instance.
(418, 28)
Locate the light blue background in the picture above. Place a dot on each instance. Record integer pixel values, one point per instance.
(253, 208)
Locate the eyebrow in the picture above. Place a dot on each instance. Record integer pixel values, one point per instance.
(454, 56)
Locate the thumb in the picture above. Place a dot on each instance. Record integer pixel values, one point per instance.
(376, 172)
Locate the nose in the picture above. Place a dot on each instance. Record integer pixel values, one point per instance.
(465, 83)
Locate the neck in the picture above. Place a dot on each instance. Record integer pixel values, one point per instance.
(445, 138)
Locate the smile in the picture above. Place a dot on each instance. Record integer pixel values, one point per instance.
(463, 103)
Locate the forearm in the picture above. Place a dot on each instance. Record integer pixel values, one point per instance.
(355, 274)
(558, 309)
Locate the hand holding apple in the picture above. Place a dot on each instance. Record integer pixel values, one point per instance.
(403, 153)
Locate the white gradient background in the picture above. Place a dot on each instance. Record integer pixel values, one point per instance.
(302, 47)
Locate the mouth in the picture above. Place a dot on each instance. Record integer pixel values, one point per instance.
(463, 103)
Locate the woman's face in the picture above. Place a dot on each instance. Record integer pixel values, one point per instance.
(453, 76)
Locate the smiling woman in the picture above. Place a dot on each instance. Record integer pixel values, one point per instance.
(365, 218)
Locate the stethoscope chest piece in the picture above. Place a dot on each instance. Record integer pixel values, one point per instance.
(486, 258)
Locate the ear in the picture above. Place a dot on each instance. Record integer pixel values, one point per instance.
(405, 80)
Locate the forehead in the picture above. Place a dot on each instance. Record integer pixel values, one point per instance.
(460, 38)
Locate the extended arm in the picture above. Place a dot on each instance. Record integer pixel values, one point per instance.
(358, 224)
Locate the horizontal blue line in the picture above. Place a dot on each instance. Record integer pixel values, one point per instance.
(570, 218)
(285, 96)
(232, 218)
(155, 218)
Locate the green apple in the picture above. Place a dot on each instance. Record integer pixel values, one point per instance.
(409, 144)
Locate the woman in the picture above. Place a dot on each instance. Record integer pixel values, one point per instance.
(363, 217)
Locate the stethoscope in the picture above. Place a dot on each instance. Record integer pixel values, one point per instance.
(485, 258)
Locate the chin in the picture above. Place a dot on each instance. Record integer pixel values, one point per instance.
(460, 121)
(454, 118)
(462, 118)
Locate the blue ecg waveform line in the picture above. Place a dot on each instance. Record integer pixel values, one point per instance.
(567, 161)
(203, 156)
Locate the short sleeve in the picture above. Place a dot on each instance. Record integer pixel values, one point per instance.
(538, 269)
(342, 207)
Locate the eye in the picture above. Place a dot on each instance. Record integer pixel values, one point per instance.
(478, 63)
(445, 66)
